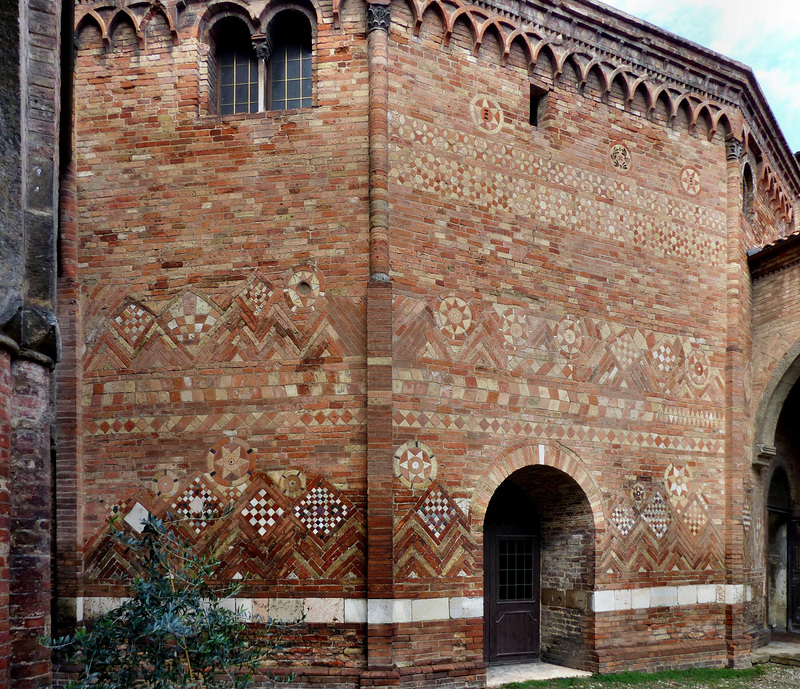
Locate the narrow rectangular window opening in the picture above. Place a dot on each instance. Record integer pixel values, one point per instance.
(537, 101)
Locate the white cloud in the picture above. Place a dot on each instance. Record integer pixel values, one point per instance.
(762, 34)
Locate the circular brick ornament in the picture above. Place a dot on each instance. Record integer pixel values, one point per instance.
(698, 368)
(165, 484)
(486, 113)
(292, 483)
(304, 287)
(515, 328)
(415, 465)
(231, 462)
(620, 157)
(639, 494)
(454, 317)
(690, 180)
(568, 336)
(676, 481)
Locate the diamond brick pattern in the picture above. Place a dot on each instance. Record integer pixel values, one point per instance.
(169, 425)
(624, 519)
(262, 512)
(508, 425)
(657, 515)
(664, 358)
(322, 511)
(197, 506)
(190, 317)
(133, 322)
(625, 351)
(436, 512)
(412, 165)
(257, 295)
(695, 518)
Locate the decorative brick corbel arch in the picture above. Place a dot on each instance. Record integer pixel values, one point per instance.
(538, 454)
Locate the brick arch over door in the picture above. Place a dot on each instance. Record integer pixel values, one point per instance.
(544, 454)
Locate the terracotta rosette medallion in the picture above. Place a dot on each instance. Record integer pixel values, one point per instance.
(231, 462)
(690, 180)
(568, 336)
(304, 287)
(486, 113)
(415, 465)
(620, 157)
(639, 494)
(676, 481)
(454, 317)
(515, 326)
(698, 368)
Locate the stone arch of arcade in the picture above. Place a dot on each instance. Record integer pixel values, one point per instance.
(777, 445)
(777, 448)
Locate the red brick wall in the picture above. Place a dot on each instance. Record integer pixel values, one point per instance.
(661, 638)
(583, 241)
(430, 643)
(560, 284)
(172, 202)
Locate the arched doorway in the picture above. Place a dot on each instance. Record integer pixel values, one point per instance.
(783, 521)
(511, 576)
(539, 536)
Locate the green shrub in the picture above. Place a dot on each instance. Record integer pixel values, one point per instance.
(173, 630)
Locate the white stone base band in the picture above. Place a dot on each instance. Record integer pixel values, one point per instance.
(672, 596)
(405, 610)
(326, 610)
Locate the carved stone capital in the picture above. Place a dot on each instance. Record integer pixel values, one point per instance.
(733, 149)
(764, 454)
(378, 17)
(262, 46)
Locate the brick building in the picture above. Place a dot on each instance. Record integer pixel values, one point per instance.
(475, 321)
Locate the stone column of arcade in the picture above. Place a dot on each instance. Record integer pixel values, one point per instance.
(380, 553)
(737, 348)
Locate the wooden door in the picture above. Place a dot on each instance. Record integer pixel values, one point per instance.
(511, 595)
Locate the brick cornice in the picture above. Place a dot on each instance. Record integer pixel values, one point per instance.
(642, 52)
(776, 257)
(645, 55)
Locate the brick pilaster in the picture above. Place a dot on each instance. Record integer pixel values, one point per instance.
(736, 357)
(380, 531)
(68, 535)
(378, 66)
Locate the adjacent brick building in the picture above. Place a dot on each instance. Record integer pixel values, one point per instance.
(475, 322)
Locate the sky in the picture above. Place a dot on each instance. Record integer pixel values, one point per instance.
(763, 34)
